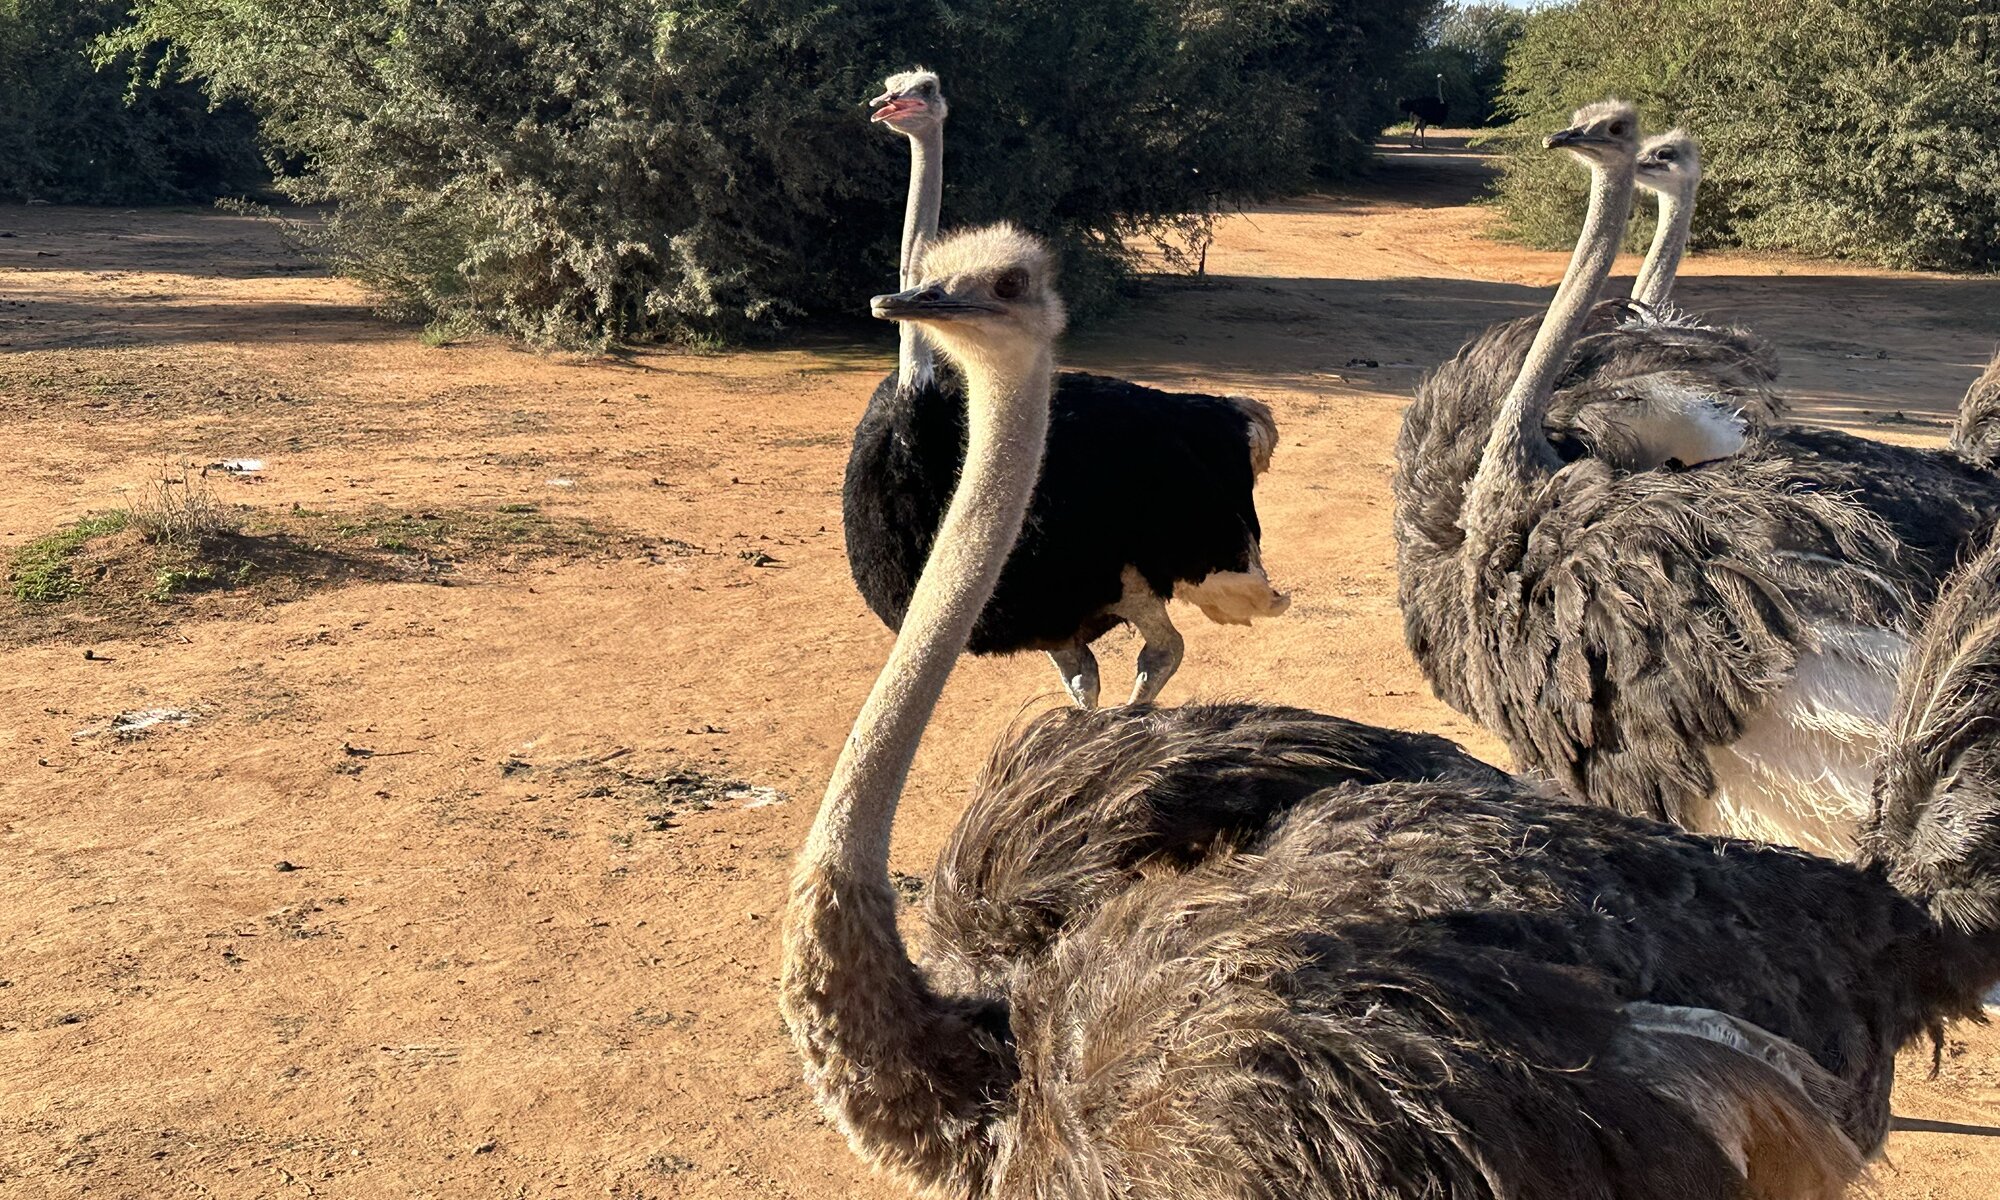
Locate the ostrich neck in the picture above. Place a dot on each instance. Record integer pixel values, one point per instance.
(914, 362)
(1517, 452)
(1670, 242)
(910, 1076)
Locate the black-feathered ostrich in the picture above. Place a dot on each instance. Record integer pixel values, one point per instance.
(1715, 646)
(1424, 112)
(1433, 982)
(1145, 495)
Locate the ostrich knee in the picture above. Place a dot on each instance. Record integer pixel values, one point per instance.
(1078, 668)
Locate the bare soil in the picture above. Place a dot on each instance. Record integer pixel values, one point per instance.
(462, 875)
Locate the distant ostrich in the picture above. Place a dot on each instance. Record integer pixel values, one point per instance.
(1399, 989)
(1716, 646)
(1424, 112)
(1145, 495)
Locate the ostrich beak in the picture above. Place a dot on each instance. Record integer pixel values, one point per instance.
(925, 302)
(889, 107)
(1565, 137)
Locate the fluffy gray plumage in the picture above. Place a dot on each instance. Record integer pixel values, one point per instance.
(1976, 436)
(1937, 790)
(1447, 984)
(1638, 619)
(1078, 805)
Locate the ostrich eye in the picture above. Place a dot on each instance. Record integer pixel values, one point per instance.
(1617, 129)
(1010, 285)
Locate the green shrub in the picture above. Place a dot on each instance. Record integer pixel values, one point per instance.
(580, 171)
(41, 571)
(1852, 128)
(69, 136)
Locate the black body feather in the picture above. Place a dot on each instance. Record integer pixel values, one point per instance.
(1160, 481)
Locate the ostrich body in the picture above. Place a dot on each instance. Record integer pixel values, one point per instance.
(1424, 112)
(1715, 646)
(1447, 985)
(1145, 494)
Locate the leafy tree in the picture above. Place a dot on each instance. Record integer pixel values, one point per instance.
(1853, 128)
(69, 136)
(577, 171)
(1468, 45)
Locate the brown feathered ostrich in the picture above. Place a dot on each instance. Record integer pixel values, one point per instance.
(1716, 646)
(1445, 986)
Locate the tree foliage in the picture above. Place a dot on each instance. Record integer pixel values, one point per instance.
(69, 136)
(1468, 45)
(576, 171)
(1851, 128)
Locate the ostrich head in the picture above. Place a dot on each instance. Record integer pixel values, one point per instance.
(988, 297)
(1670, 162)
(1599, 133)
(910, 102)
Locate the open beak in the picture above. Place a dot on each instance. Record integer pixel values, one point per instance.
(928, 302)
(888, 107)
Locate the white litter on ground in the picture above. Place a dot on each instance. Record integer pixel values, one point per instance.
(562, 483)
(240, 466)
(135, 723)
(757, 797)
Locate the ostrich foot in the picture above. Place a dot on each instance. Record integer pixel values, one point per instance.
(1078, 668)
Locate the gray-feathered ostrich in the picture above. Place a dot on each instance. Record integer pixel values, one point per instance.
(1146, 494)
(1448, 985)
(1424, 112)
(1716, 646)
(1659, 386)
(1669, 166)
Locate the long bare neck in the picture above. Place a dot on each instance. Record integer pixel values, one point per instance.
(914, 363)
(1518, 454)
(913, 1078)
(1670, 241)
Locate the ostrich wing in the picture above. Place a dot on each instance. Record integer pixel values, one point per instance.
(1647, 617)
(1443, 990)
(1079, 804)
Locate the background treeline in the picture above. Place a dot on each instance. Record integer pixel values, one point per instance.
(574, 171)
(1468, 45)
(68, 136)
(1852, 128)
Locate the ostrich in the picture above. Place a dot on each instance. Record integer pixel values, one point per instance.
(1424, 112)
(1669, 166)
(1660, 386)
(1715, 646)
(1446, 984)
(1145, 495)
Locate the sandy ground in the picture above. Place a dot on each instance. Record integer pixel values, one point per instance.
(473, 890)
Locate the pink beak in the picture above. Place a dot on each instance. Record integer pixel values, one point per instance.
(895, 106)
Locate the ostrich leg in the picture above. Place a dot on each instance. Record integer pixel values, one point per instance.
(1078, 668)
(1160, 656)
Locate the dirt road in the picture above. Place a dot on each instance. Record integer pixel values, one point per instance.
(455, 869)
